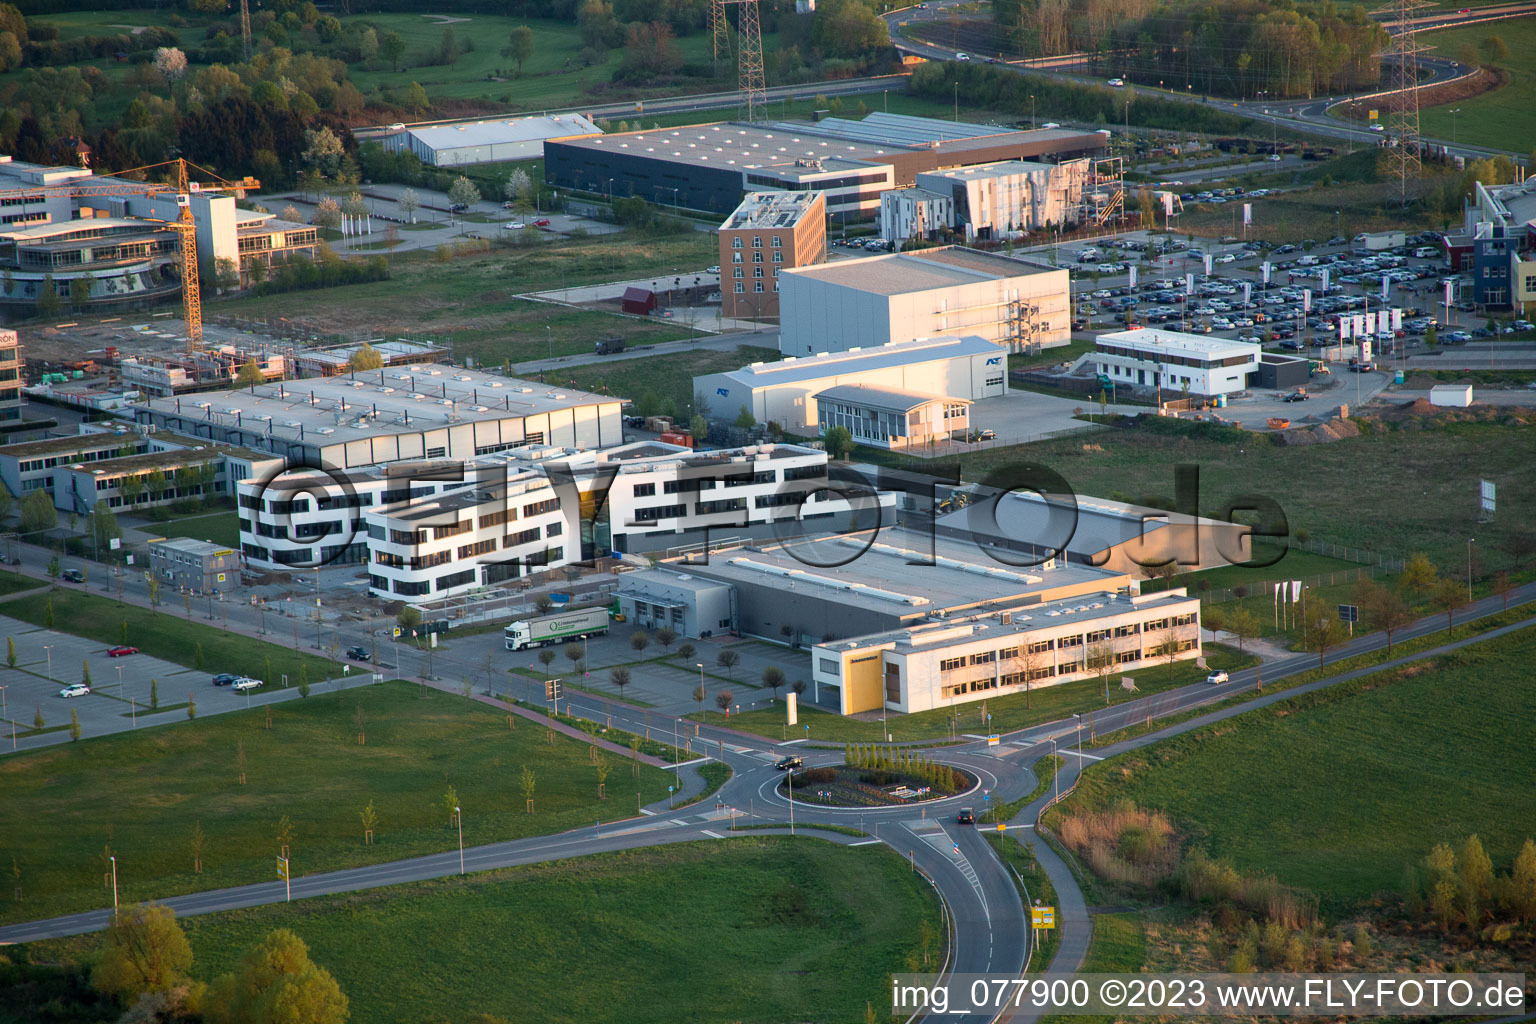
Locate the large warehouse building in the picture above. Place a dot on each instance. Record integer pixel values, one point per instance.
(784, 392)
(1013, 303)
(480, 142)
(711, 166)
(406, 412)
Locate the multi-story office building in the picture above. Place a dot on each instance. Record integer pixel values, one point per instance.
(10, 376)
(767, 233)
(1190, 364)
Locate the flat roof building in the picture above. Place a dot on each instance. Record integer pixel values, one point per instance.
(1013, 303)
(784, 392)
(890, 417)
(424, 411)
(710, 166)
(1192, 364)
(335, 359)
(488, 141)
(1008, 198)
(682, 602)
(768, 233)
(197, 566)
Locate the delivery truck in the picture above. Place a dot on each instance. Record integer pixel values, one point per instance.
(549, 629)
(1379, 241)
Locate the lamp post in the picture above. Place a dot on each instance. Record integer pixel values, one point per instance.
(549, 335)
(113, 859)
(1031, 112)
(1453, 112)
(458, 816)
(49, 649)
(1470, 542)
(1057, 777)
(1079, 718)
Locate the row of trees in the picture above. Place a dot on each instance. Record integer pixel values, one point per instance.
(1459, 889)
(881, 758)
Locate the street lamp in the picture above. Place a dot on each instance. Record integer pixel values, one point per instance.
(1032, 112)
(113, 859)
(549, 334)
(459, 817)
(49, 649)
(1079, 718)
(1453, 112)
(1057, 776)
(1470, 542)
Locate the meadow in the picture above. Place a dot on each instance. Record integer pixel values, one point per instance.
(64, 813)
(1499, 118)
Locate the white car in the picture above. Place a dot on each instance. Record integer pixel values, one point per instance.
(1226, 257)
(1274, 158)
(1050, 124)
(1216, 677)
(1115, 82)
(962, 56)
(1377, 128)
(712, 270)
(245, 684)
(75, 690)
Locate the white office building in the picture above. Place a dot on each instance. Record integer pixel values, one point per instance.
(892, 418)
(944, 292)
(784, 392)
(1192, 364)
(963, 660)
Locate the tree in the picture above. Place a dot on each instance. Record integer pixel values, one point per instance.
(666, 636)
(728, 660)
(132, 490)
(1100, 658)
(745, 420)
(154, 694)
(620, 678)
(448, 48)
(74, 724)
(1502, 586)
(1519, 545)
(602, 767)
(686, 651)
(199, 839)
(639, 640)
(699, 693)
(37, 719)
(409, 203)
(170, 62)
(277, 982)
(370, 819)
(545, 657)
(1321, 630)
(723, 701)
(327, 214)
(839, 442)
(7, 504)
(408, 618)
(10, 652)
(520, 48)
(1495, 49)
(450, 804)
(146, 951)
(104, 528)
(250, 374)
(365, 358)
(226, 274)
(1383, 608)
(391, 47)
(1450, 597)
(37, 513)
(1419, 576)
(463, 192)
(773, 678)
(527, 780)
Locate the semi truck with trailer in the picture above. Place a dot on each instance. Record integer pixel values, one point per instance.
(555, 627)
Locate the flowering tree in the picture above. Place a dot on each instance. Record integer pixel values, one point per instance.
(170, 62)
(327, 214)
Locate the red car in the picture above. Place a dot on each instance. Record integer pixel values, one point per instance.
(542, 222)
(121, 652)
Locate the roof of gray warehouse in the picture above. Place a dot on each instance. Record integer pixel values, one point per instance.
(875, 397)
(1082, 526)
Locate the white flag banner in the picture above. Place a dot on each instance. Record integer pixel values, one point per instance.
(1264, 269)
(1344, 328)
(1397, 318)
(1189, 284)
(1370, 323)
(1247, 293)
(1324, 279)
(1386, 284)
(1359, 319)
(1167, 203)
(1306, 300)
(1295, 591)
(1365, 350)
(1207, 264)
(1247, 214)
(1133, 277)
(1448, 285)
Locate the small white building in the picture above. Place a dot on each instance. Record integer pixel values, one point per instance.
(1192, 364)
(948, 291)
(1451, 396)
(480, 142)
(891, 418)
(908, 213)
(784, 391)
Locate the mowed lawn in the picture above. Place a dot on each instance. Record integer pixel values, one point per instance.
(143, 794)
(214, 527)
(1502, 117)
(669, 377)
(1337, 794)
(1007, 713)
(168, 633)
(755, 929)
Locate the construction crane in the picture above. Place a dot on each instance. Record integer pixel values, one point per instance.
(182, 187)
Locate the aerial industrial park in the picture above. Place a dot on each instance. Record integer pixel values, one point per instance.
(1038, 498)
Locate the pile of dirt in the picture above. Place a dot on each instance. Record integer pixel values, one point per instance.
(1322, 433)
(1420, 414)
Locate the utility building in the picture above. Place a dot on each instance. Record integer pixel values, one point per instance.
(1013, 303)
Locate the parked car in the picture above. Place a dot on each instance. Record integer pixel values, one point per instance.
(1115, 82)
(1216, 677)
(986, 435)
(962, 56)
(1297, 396)
(245, 684)
(967, 816)
(121, 652)
(457, 207)
(359, 654)
(787, 764)
(224, 678)
(75, 690)
(712, 270)
(542, 222)
(73, 576)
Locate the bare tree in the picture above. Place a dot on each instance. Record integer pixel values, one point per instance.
(1383, 607)
(198, 839)
(723, 701)
(773, 678)
(666, 636)
(620, 678)
(728, 660)
(699, 693)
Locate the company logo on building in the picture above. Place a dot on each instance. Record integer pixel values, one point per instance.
(723, 392)
(994, 360)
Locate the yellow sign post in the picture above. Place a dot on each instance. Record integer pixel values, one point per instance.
(1042, 917)
(282, 872)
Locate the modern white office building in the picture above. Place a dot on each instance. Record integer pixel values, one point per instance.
(1011, 197)
(1193, 364)
(940, 664)
(890, 417)
(945, 292)
(916, 212)
(784, 391)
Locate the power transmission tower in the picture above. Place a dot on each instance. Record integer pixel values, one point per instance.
(749, 52)
(1402, 55)
(245, 26)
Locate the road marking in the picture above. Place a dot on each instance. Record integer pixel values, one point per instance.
(790, 743)
(644, 810)
(684, 764)
(1085, 757)
(713, 835)
(865, 842)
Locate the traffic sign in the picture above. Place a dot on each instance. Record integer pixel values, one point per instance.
(282, 867)
(994, 740)
(1042, 917)
(1349, 613)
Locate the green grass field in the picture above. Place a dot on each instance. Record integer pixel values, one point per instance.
(1045, 704)
(169, 634)
(670, 377)
(215, 527)
(1500, 118)
(1358, 491)
(1336, 792)
(143, 793)
(757, 929)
